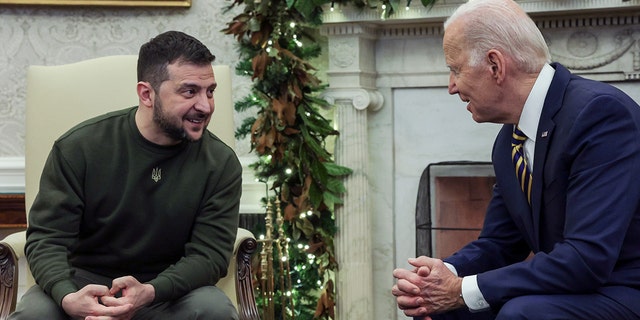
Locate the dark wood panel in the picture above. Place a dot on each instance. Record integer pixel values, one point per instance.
(12, 212)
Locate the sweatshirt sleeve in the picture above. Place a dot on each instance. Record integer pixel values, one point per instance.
(53, 226)
(209, 250)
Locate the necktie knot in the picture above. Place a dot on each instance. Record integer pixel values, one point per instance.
(518, 137)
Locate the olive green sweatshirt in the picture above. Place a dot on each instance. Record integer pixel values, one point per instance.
(115, 204)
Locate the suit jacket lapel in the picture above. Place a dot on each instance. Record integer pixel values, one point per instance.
(552, 105)
(545, 131)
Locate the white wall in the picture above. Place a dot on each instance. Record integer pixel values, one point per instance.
(40, 35)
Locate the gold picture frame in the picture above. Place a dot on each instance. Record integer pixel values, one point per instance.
(104, 3)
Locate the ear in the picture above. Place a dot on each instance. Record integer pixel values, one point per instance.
(497, 64)
(145, 94)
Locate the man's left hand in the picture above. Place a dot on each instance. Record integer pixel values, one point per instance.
(132, 292)
(430, 288)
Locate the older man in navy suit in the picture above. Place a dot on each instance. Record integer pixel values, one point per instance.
(566, 163)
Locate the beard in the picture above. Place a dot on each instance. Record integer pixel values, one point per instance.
(172, 129)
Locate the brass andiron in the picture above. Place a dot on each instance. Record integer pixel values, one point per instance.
(267, 279)
(266, 266)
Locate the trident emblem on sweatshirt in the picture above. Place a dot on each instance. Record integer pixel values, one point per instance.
(156, 174)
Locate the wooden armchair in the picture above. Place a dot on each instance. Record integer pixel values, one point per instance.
(59, 97)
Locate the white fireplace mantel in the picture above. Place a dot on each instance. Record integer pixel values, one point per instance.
(443, 8)
(388, 79)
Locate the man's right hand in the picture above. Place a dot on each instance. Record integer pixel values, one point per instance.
(86, 302)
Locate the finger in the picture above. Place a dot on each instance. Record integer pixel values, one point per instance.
(120, 283)
(397, 292)
(417, 312)
(95, 290)
(409, 302)
(400, 273)
(423, 271)
(422, 261)
(407, 287)
(412, 306)
(111, 301)
(413, 277)
(115, 311)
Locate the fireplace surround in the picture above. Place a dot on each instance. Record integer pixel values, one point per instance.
(450, 206)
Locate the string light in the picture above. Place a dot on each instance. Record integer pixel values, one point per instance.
(332, 3)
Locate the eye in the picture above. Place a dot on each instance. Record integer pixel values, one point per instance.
(210, 93)
(189, 92)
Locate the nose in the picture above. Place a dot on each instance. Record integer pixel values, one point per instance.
(453, 89)
(204, 103)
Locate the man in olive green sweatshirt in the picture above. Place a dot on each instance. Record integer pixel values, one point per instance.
(137, 211)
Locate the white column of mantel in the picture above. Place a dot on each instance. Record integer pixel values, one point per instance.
(354, 287)
(351, 78)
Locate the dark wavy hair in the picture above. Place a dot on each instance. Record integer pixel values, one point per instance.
(165, 49)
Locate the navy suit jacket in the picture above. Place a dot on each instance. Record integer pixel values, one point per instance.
(583, 224)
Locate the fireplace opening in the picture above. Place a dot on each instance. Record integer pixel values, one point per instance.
(451, 204)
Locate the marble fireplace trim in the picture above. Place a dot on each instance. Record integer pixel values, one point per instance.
(605, 48)
(444, 8)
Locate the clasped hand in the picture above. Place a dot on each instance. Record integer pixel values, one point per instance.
(98, 302)
(429, 288)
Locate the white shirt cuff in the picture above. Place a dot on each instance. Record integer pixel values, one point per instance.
(472, 296)
(452, 268)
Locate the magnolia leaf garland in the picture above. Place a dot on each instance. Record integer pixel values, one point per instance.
(289, 134)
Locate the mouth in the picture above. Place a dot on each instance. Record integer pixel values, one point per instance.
(198, 118)
(196, 121)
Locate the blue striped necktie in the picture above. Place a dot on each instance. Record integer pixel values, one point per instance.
(517, 154)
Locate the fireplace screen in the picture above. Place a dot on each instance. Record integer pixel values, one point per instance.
(451, 204)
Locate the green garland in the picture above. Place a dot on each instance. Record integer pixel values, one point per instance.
(290, 135)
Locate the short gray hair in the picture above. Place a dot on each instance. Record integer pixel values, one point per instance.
(501, 25)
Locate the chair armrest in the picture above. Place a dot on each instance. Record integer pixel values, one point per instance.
(237, 284)
(247, 308)
(8, 280)
(17, 241)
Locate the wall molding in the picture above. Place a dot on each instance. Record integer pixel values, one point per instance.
(441, 10)
(11, 174)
